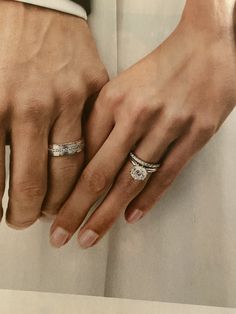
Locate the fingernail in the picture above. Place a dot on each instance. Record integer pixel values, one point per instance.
(59, 237)
(135, 216)
(87, 238)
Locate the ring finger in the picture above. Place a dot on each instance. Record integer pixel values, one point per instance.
(124, 190)
(63, 171)
(181, 152)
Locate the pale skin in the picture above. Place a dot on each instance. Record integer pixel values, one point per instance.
(166, 107)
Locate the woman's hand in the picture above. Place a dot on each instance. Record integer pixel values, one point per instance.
(164, 108)
(49, 66)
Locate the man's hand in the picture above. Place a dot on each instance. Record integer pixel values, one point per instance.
(49, 67)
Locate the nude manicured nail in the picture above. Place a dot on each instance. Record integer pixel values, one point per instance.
(59, 237)
(87, 238)
(135, 216)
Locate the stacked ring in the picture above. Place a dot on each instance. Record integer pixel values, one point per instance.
(141, 168)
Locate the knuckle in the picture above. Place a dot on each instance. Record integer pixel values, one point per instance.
(27, 190)
(175, 122)
(32, 102)
(140, 112)
(179, 119)
(72, 93)
(205, 129)
(127, 186)
(111, 95)
(97, 78)
(69, 95)
(175, 118)
(94, 180)
(70, 166)
(33, 110)
(166, 177)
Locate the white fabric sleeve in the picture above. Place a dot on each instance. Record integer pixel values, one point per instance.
(66, 6)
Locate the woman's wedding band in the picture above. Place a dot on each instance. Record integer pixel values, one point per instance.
(142, 162)
(65, 149)
(141, 168)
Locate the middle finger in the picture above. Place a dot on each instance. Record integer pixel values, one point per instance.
(28, 165)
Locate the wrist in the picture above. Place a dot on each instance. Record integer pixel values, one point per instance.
(211, 17)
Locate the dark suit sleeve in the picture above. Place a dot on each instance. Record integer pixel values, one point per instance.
(86, 4)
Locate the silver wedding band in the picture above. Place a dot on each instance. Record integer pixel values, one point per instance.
(65, 149)
(141, 168)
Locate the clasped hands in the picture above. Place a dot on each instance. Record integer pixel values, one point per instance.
(165, 108)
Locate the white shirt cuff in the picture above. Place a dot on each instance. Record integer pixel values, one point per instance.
(65, 6)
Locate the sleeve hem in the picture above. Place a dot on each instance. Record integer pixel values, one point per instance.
(60, 5)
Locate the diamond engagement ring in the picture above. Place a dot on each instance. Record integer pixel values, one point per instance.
(65, 149)
(141, 168)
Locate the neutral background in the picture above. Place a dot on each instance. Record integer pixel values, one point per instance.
(27, 302)
(185, 249)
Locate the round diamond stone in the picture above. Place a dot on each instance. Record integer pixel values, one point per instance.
(138, 173)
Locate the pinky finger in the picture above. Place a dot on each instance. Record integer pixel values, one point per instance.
(179, 155)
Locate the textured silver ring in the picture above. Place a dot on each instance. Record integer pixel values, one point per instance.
(141, 168)
(65, 149)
